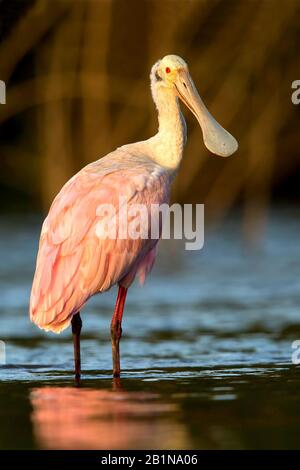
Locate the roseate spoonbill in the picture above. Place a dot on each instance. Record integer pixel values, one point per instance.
(74, 261)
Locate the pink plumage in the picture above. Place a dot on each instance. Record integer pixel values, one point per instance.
(73, 262)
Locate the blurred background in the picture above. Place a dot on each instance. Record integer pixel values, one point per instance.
(77, 75)
(207, 343)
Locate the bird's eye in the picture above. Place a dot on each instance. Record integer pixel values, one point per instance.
(168, 70)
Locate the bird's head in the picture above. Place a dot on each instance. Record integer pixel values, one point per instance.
(171, 74)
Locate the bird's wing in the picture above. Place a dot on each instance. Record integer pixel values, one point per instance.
(74, 260)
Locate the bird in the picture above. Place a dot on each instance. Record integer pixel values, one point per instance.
(75, 261)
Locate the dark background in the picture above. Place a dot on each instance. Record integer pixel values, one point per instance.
(207, 343)
(77, 75)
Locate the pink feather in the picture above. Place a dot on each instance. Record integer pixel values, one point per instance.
(73, 263)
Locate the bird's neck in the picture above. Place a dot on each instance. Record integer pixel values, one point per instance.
(168, 144)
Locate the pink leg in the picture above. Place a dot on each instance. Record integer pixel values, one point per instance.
(116, 329)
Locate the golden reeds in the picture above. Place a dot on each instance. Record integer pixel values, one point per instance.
(89, 90)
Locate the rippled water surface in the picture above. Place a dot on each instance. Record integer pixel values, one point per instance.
(206, 350)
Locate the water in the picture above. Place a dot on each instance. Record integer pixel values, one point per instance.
(206, 351)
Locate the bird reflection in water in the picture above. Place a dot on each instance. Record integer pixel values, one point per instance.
(86, 418)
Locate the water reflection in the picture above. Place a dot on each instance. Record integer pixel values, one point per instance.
(209, 336)
(75, 418)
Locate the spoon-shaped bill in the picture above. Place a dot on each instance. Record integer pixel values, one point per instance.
(215, 137)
